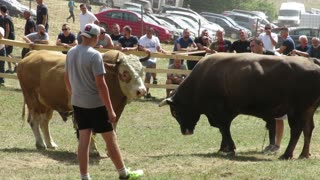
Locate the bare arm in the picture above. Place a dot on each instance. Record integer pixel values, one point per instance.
(105, 97)
(44, 20)
(110, 44)
(282, 49)
(7, 31)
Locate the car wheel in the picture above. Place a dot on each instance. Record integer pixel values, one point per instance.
(105, 27)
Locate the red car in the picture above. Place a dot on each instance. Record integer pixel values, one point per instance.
(133, 19)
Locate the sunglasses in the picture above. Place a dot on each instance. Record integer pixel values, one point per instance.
(267, 28)
(102, 32)
(64, 29)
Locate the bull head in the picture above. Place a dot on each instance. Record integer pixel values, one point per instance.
(129, 72)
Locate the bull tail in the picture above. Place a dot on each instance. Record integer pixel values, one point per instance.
(24, 112)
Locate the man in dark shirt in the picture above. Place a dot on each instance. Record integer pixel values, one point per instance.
(221, 44)
(203, 42)
(256, 46)
(42, 14)
(313, 51)
(30, 25)
(9, 34)
(183, 44)
(115, 35)
(242, 45)
(29, 28)
(66, 38)
(287, 44)
(128, 42)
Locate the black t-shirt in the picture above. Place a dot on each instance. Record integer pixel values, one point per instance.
(133, 40)
(289, 43)
(199, 40)
(1, 22)
(267, 52)
(42, 11)
(8, 20)
(29, 24)
(115, 37)
(240, 46)
(66, 39)
(305, 49)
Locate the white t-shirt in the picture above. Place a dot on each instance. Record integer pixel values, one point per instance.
(2, 33)
(86, 18)
(150, 44)
(267, 41)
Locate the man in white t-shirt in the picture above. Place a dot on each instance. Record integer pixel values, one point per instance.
(151, 43)
(85, 17)
(2, 53)
(269, 38)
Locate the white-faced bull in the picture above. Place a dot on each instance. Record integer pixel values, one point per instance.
(41, 76)
(222, 86)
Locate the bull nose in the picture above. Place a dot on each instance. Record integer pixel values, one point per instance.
(141, 92)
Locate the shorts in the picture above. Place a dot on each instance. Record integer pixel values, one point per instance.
(9, 50)
(148, 64)
(93, 118)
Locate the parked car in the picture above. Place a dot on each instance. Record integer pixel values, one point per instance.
(178, 23)
(133, 19)
(230, 30)
(227, 20)
(205, 24)
(176, 32)
(250, 22)
(262, 16)
(137, 6)
(296, 32)
(16, 9)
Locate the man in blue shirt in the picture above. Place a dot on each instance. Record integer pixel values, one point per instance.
(287, 44)
(183, 44)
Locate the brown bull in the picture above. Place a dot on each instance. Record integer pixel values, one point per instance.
(41, 77)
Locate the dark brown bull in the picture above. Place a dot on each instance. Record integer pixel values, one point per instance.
(223, 86)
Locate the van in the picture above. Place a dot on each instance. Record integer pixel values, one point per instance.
(290, 14)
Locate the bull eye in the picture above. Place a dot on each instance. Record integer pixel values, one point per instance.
(125, 77)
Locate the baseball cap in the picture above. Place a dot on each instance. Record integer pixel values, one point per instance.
(90, 30)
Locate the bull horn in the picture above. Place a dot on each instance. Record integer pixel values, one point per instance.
(163, 103)
(145, 58)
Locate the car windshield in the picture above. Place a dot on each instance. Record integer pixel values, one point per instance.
(288, 12)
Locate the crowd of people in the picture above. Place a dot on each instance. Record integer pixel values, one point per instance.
(91, 36)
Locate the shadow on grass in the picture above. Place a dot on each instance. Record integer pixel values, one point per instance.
(154, 100)
(58, 155)
(10, 89)
(240, 156)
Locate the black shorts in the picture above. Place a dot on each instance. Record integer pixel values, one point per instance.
(95, 119)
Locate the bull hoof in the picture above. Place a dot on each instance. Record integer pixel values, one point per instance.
(41, 146)
(227, 153)
(285, 157)
(52, 146)
(304, 156)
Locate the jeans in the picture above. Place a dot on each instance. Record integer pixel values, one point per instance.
(2, 53)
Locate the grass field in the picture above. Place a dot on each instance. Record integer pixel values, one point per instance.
(149, 138)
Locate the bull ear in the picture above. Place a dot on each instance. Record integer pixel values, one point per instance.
(146, 57)
(167, 101)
